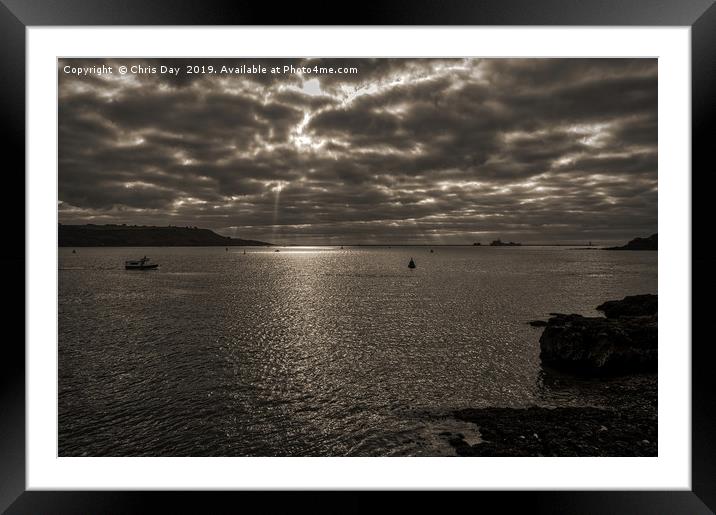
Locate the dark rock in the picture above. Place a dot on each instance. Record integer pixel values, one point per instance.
(649, 243)
(457, 442)
(569, 431)
(624, 421)
(538, 323)
(632, 306)
(595, 346)
(500, 243)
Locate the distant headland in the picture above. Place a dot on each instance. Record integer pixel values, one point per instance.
(91, 235)
(649, 243)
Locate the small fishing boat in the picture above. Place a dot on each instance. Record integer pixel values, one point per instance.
(411, 264)
(140, 264)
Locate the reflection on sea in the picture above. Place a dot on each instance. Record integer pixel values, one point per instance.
(311, 350)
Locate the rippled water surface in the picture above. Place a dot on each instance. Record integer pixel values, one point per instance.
(310, 351)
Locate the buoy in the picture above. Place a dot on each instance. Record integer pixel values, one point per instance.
(411, 264)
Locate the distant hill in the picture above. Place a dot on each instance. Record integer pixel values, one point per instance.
(144, 236)
(649, 243)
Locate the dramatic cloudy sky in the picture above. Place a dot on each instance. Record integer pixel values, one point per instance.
(404, 151)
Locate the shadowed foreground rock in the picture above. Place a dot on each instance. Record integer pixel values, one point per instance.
(623, 423)
(572, 431)
(624, 342)
(632, 306)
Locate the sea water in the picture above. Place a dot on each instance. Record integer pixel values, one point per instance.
(311, 351)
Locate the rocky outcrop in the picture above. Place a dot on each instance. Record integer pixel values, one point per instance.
(500, 243)
(624, 342)
(623, 422)
(567, 431)
(632, 306)
(649, 243)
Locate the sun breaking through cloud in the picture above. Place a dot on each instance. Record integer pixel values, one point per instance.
(404, 151)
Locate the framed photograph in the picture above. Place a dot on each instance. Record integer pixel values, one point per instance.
(417, 252)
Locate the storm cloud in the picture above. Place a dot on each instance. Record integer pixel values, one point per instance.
(391, 151)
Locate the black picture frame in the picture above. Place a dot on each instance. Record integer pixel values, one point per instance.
(17, 15)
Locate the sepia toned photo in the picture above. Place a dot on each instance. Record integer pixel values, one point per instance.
(357, 257)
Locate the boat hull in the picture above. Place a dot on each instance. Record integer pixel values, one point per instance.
(140, 267)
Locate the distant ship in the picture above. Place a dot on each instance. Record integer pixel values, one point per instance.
(411, 264)
(140, 264)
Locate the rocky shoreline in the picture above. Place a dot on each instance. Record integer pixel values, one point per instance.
(612, 351)
(624, 341)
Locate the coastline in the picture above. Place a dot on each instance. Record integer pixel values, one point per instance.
(623, 423)
(627, 429)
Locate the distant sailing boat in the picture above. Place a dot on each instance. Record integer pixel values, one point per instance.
(411, 264)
